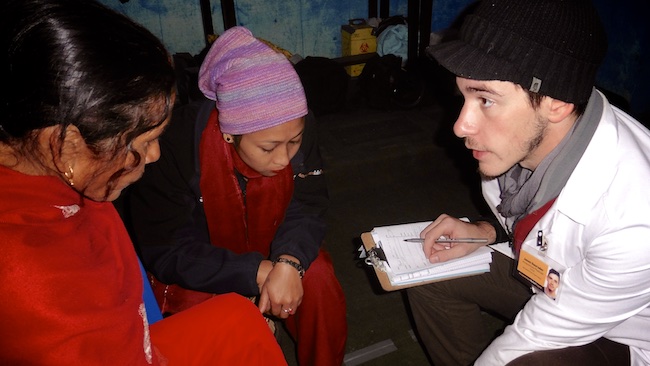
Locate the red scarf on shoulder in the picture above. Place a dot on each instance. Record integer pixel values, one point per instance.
(239, 221)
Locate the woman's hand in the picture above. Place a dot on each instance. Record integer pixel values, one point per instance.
(451, 227)
(282, 291)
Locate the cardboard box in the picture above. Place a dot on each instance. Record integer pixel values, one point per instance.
(357, 38)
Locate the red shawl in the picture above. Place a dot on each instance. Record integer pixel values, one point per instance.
(71, 288)
(236, 221)
(241, 224)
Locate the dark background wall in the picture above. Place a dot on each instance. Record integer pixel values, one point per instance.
(312, 28)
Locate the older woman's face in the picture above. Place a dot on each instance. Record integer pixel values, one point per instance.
(92, 177)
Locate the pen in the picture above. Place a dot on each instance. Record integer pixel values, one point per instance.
(443, 241)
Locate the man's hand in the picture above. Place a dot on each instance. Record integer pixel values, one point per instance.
(451, 227)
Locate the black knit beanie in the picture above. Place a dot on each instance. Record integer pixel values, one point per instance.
(552, 47)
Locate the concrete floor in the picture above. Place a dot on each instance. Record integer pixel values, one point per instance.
(386, 167)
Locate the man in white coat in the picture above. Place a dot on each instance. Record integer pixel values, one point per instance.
(566, 175)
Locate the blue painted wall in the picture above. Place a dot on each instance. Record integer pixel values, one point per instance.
(312, 28)
(306, 27)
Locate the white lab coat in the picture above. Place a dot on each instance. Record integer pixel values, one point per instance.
(599, 229)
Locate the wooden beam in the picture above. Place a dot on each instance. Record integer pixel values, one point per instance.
(426, 9)
(384, 9)
(229, 16)
(206, 17)
(413, 27)
(372, 8)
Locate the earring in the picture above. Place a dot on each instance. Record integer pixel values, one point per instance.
(69, 175)
(228, 138)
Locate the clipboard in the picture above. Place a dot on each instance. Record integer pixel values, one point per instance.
(370, 246)
(375, 255)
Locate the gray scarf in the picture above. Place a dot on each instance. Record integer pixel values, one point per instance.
(524, 191)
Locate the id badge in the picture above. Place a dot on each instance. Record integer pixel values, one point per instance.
(537, 269)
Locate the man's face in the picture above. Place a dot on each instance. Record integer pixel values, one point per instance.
(552, 282)
(499, 125)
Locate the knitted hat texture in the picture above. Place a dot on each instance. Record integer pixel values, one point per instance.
(552, 47)
(254, 87)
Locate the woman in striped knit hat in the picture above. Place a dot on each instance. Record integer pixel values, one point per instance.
(236, 203)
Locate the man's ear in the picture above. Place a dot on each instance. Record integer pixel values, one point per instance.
(558, 110)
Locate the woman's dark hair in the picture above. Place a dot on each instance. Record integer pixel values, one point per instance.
(76, 62)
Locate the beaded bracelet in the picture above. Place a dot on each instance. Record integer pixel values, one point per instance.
(297, 266)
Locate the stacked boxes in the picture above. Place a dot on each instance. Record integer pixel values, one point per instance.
(357, 38)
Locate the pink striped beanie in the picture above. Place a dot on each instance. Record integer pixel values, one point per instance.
(254, 87)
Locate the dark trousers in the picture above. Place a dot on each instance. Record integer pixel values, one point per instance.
(448, 319)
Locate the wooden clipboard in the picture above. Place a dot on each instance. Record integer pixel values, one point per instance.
(369, 244)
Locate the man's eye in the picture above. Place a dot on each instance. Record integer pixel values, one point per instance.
(487, 102)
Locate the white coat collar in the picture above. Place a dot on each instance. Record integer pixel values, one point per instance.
(594, 172)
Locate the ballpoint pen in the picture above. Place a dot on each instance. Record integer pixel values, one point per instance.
(455, 240)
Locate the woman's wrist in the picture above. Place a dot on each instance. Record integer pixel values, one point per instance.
(263, 271)
(290, 261)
